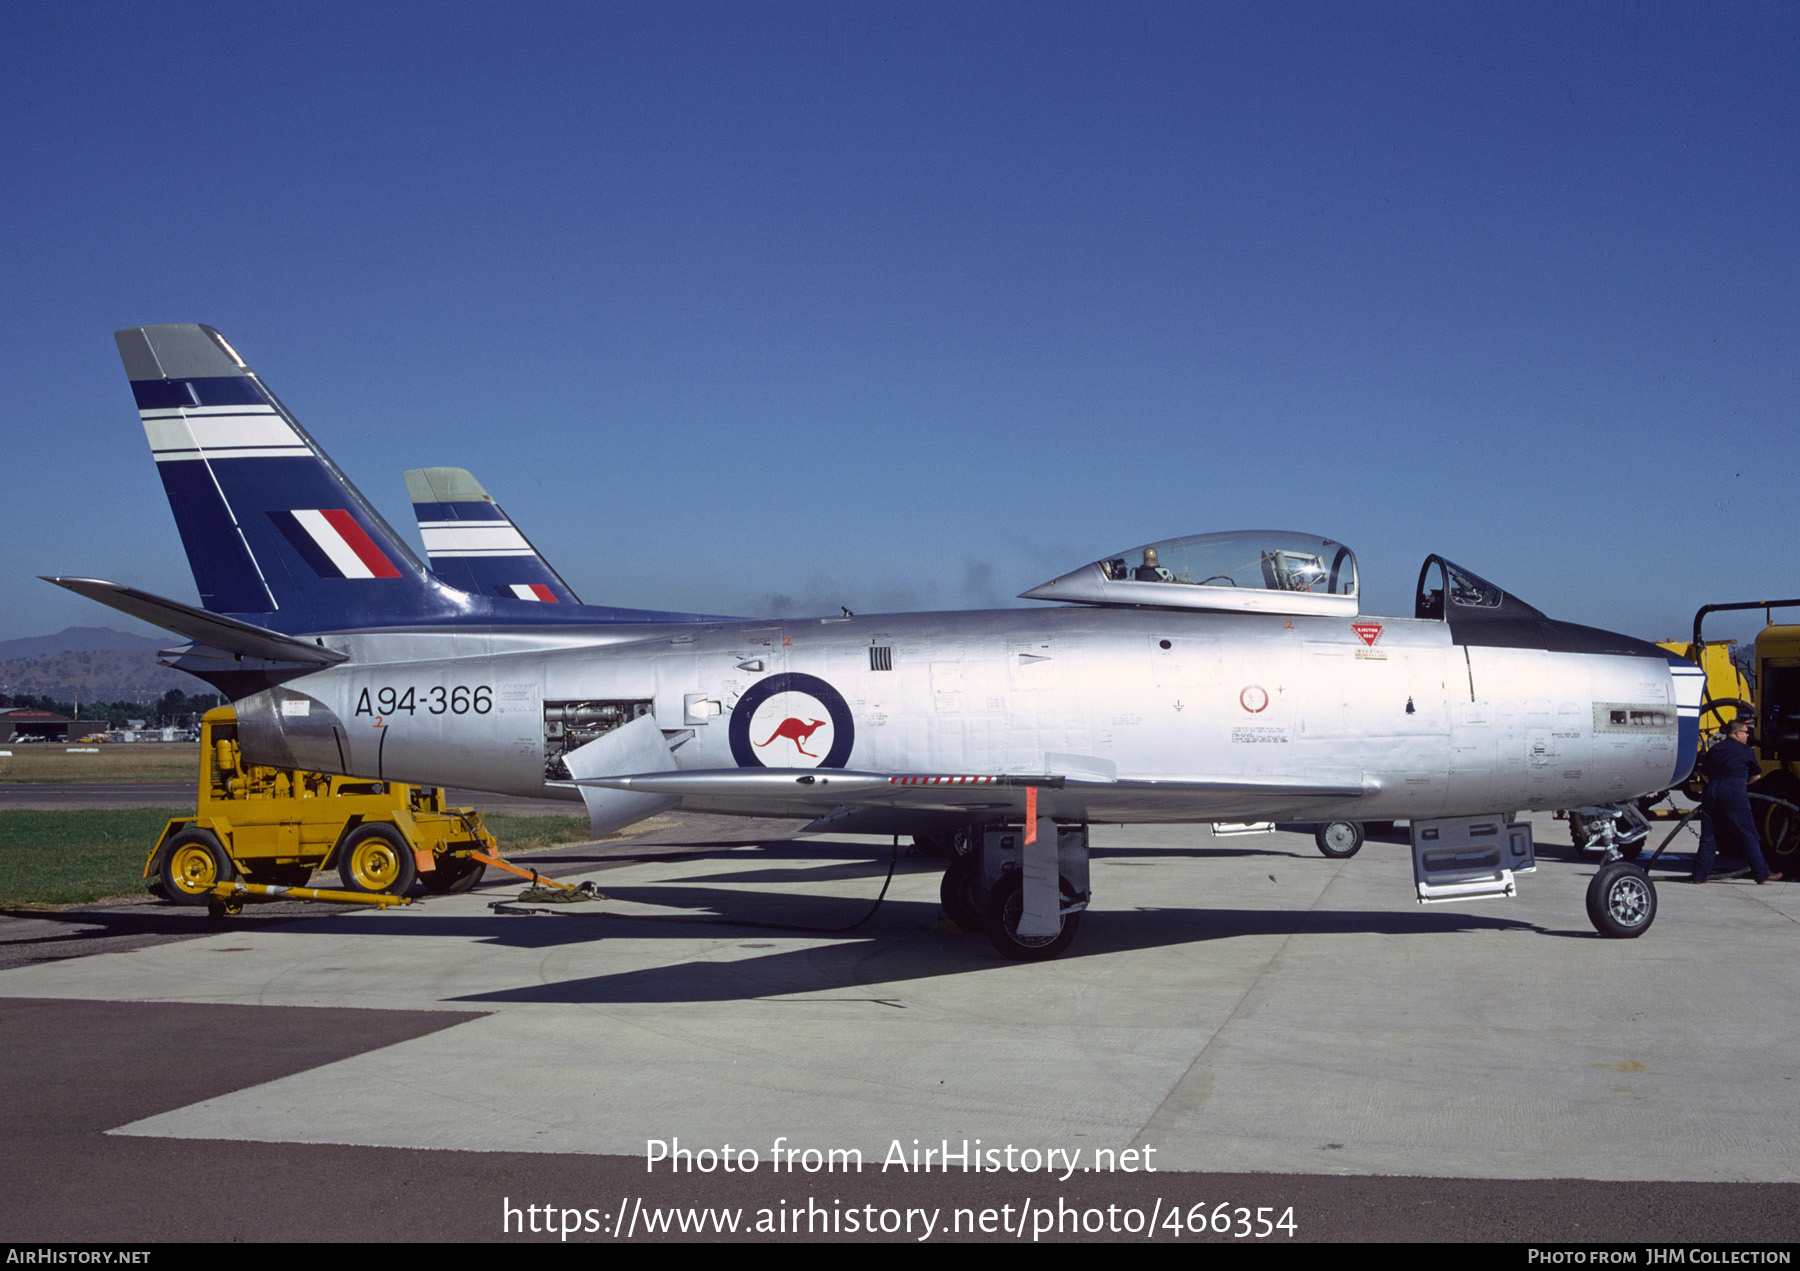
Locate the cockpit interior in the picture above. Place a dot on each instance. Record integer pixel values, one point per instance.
(1275, 571)
(1265, 571)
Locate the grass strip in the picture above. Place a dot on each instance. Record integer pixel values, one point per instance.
(71, 858)
(31, 764)
(535, 833)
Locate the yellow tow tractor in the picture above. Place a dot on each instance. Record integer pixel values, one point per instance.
(1777, 719)
(263, 831)
(1773, 706)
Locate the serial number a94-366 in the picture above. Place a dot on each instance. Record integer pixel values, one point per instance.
(437, 700)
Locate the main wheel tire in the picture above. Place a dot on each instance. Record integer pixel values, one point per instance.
(376, 858)
(959, 891)
(1339, 839)
(453, 876)
(1621, 901)
(1006, 905)
(192, 865)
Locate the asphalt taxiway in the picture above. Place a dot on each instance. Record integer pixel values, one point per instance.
(60, 796)
(1274, 1024)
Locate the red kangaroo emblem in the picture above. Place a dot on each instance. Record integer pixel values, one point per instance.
(796, 731)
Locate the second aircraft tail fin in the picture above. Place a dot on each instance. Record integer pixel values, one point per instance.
(473, 545)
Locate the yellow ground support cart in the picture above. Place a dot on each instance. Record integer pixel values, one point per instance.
(272, 827)
(1772, 704)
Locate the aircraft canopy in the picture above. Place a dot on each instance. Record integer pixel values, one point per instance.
(1259, 571)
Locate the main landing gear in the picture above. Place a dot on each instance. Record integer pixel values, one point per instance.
(1027, 897)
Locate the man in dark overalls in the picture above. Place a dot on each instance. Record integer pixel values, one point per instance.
(1730, 768)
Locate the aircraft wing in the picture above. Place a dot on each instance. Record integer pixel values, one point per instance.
(822, 791)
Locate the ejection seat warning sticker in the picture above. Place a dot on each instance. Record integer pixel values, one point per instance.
(1260, 733)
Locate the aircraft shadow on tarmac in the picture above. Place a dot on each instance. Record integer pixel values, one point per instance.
(898, 942)
(855, 863)
(899, 950)
(897, 946)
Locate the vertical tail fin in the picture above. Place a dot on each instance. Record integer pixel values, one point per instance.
(472, 543)
(274, 532)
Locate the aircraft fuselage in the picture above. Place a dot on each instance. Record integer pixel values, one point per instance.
(1108, 698)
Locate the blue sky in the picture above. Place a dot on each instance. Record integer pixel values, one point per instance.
(754, 308)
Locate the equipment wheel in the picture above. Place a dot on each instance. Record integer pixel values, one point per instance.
(1780, 827)
(1006, 905)
(936, 845)
(192, 865)
(1339, 839)
(376, 858)
(959, 891)
(1621, 901)
(278, 875)
(453, 876)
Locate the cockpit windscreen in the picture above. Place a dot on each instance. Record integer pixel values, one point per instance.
(1259, 560)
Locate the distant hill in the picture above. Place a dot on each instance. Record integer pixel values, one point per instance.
(96, 663)
(105, 676)
(82, 640)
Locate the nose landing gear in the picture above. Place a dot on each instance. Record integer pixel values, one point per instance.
(1621, 901)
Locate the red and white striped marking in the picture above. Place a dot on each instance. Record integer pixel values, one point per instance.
(941, 781)
(530, 591)
(343, 540)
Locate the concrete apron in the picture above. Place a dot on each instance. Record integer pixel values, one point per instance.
(1237, 1004)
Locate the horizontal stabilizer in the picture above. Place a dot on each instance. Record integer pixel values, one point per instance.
(639, 745)
(213, 630)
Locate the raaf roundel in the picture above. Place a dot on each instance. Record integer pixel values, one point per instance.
(791, 721)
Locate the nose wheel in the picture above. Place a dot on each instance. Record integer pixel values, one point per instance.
(1621, 901)
(1339, 839)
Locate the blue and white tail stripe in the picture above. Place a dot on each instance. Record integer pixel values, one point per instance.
(1689, 684)
(220, 432)
(472, 538)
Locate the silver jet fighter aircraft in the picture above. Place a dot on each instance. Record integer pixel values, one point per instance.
(1209, 678)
